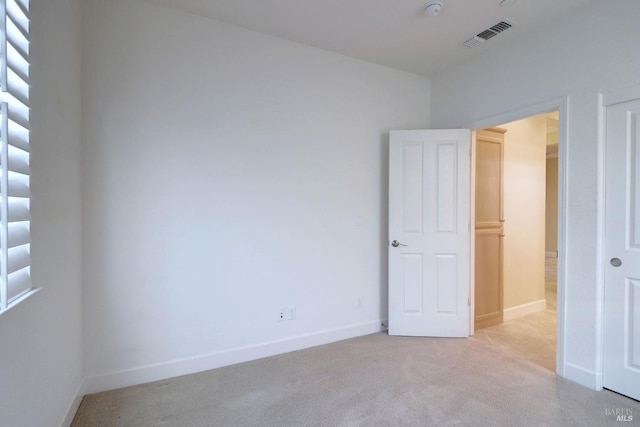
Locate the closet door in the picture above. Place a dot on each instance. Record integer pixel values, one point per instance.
(621, 370)
(489, 227)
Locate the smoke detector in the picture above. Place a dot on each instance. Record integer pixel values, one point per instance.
(433, 9)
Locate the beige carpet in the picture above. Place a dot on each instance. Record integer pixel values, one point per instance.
(374, 380)
(531, 337)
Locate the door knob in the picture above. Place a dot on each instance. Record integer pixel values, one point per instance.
(395, 244)
(616, 262)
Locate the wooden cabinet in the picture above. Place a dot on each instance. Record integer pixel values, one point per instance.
(489, 227)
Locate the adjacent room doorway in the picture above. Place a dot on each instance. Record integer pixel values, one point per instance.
(516, 217)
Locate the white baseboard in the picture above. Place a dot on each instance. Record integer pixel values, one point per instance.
(551, 254)
(73, 407)
(524, 309)
(582, 376)
(161, 371)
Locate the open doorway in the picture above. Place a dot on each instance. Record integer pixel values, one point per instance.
(516, 252)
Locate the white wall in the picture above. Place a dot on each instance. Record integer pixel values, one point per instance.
(563, 59)
(223, 174)
(524, 211)
(41, 362)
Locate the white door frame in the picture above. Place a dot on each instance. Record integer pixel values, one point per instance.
(562, 105)
(606, 99)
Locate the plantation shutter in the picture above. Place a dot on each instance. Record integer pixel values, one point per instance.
(15, 217)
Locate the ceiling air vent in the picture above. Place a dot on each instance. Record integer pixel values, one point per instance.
(489, 33)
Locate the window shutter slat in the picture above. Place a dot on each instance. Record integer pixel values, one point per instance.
(18, 211)
(19, 137)
(18, 234)
(19, 282)
(19, 114)
(19, 258)
(19, 88)
(19, 190)
(19, 161)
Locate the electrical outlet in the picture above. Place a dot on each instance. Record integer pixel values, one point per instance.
(291, 312)
(282, 316)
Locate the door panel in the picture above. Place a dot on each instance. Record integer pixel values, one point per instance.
(429, 219)
(446, 269)
(633, 124)
(488, 178)
(446, 180)
(633, 308)
(622, 249)
(488, 277)
(412, 188)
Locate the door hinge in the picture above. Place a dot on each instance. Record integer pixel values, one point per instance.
(468, 302)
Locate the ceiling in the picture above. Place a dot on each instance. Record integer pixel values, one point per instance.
(394, 33)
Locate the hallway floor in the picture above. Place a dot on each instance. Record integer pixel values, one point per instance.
(531, 337)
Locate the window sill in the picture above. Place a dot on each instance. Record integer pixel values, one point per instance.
(20, 300)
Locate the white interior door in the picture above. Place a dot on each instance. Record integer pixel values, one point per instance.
(622, 249)
(429, 238)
